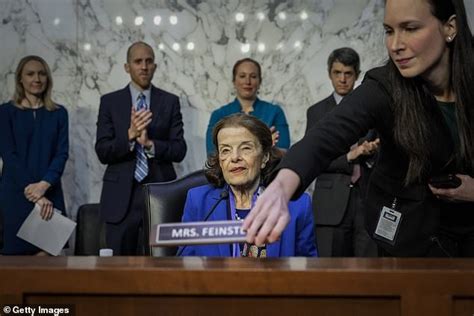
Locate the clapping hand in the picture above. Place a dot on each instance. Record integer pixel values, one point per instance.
(139, 121)
(275, 135)
(365, 149)
(144, 140)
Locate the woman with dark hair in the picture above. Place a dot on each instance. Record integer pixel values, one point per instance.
(421, 192)
(247, 77)
(245, 157)
(34, 148)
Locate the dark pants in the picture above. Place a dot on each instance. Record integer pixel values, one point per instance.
(350, 238)
(455, 236)
(449, 244)
(126, 237)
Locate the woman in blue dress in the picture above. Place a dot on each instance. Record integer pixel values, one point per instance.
(247, 77)
(34, 147)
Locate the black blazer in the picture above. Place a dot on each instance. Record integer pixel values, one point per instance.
(331, 191)
(367, 107)
(113, 148)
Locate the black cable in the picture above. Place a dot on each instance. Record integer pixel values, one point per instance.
(223, 196)
(436, 240)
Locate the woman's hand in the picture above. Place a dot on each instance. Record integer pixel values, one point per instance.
(275, 135)
(464, 192)
(267, 220)
(35, 191)
(46, 208)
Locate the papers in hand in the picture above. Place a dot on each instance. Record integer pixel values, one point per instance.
(51, 235)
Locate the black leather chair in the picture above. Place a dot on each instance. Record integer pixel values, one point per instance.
(165, 204)
(90, 231)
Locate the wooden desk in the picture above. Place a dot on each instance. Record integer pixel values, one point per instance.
(296, 286)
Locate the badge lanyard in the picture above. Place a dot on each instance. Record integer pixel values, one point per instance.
(233, 214)
(388, 224)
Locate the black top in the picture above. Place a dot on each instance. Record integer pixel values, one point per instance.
(448, 110)
(367, 107)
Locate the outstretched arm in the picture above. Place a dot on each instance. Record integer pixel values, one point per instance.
(269, 217)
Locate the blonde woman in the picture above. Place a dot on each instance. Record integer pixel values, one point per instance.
(34, 148)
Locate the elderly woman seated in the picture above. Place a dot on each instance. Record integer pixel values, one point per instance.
(244, 159)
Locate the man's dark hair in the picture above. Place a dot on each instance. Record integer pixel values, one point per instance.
(346, 56)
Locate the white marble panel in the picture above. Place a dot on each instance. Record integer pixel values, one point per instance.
(196, 44)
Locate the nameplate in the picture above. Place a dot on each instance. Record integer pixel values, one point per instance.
(213, 232)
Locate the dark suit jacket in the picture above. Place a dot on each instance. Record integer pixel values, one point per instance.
(331, 192)
(367, 107)
(113, 148)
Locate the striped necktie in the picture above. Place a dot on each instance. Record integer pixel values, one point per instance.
(141, 166)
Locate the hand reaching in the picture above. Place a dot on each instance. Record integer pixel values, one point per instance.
(267, 220)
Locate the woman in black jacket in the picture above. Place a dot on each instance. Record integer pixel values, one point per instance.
(422, 105)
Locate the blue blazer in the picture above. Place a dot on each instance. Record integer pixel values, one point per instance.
(297, 239)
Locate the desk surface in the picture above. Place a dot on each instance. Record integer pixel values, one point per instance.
(426, 286)
(405, 265)
(195, 274)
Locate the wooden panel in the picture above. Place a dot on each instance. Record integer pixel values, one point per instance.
(6, 299)
(222, 305)
(315, 286)
(432, 304)
(463, 306)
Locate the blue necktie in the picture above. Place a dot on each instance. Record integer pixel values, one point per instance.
(141, 167)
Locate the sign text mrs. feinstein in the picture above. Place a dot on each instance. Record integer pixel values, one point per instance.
(212, 232)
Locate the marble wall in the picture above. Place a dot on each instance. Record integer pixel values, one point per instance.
(196, 43)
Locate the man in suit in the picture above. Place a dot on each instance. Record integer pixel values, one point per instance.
(139, 136)
(340, 229)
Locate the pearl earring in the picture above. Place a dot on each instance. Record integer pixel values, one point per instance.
(450, 38)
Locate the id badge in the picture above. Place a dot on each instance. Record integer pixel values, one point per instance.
(388, 225)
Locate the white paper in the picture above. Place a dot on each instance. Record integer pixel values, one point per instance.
(51, 235)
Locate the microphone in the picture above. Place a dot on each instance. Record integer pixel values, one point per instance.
(223, 196)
